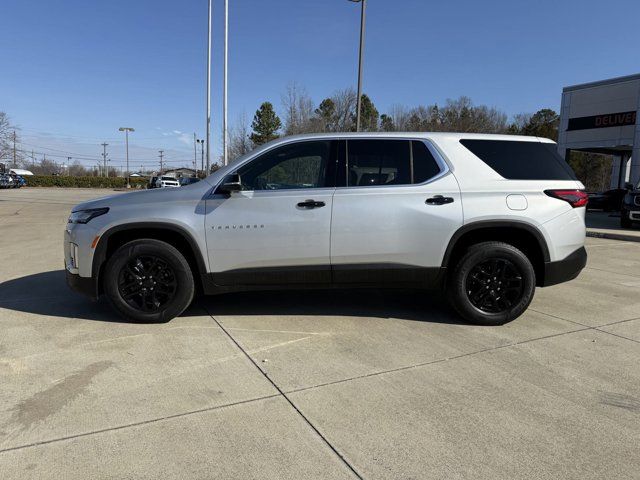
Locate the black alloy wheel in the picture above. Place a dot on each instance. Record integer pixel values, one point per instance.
(148, 280)
(147, 283)
(494, 285)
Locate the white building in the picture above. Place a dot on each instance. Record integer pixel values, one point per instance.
(602, 117)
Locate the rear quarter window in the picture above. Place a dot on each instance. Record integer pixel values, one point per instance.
(517, 160)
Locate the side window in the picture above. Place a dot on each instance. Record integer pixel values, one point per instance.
(389, 162)
(424, 165)
(298, 165)
(378, 162)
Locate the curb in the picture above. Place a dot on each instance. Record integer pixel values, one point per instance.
(614, 236)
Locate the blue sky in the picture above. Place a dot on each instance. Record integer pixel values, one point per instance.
(73, 71)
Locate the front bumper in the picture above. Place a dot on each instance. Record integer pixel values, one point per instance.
(84, 285)
(566, 269)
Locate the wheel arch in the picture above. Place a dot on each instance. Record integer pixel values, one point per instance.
(172, 234)
(521, 235)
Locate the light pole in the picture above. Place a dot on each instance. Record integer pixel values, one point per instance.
(126, 131)
(362, 22)
(208, 135)
(201, 142)
(225, 134)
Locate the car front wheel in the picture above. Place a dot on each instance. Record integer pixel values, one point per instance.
(625, 221)
(148, 281)
(492, 284)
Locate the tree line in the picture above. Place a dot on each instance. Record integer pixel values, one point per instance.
(337, 113)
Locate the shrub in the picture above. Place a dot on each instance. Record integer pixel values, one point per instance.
(83, 182)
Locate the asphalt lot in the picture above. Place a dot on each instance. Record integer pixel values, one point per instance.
(372, 385)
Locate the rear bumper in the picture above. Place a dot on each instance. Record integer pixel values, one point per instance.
(566, 269)
(84, 285)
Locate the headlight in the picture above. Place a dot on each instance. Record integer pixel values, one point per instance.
(84, 216)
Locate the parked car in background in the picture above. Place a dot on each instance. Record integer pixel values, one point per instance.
(17, 180)
(483, 218)
(167, 182)
(5, 180)
(630, 211)
(608, 201)
(188, 181)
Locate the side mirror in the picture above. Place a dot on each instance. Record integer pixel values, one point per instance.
(231, 184)
(628, 186)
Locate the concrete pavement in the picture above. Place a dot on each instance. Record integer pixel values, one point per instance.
(311, 384)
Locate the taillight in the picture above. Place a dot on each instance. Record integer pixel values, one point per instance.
(575, 198)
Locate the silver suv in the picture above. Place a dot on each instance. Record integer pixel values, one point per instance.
(485, 218)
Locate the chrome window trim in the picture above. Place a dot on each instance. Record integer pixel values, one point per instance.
(265, 152)
(444, 166)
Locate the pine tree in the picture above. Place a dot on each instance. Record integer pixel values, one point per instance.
(265, 124)
(386, 123)
(326, 115)
(368, 115)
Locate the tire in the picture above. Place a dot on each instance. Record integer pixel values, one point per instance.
(491, 265)
(625, 221)
(135, 293)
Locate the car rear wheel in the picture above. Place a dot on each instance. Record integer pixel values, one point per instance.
(148, 281)
(492, 284)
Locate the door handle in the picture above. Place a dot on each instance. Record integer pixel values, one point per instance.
(311, 204)
(439, 200)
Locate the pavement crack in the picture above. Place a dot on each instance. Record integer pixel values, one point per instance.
(288, 400)
(439, 360)
(137, 424)
(616, 335)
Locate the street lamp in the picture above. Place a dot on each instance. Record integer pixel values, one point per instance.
(126, 131)
(208, 133)
(202, 142)
(362, 19)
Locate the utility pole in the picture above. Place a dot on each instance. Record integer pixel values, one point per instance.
(104, 159)
(127, 130)
(68, 165)
(161, 152)
(209, 90)
(15, 164)
(225, 133)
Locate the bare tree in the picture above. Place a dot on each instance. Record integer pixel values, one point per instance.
(345, 104)
(518, 122)
(239, 138)
(400, 116)
(7, 140)
(298, 108)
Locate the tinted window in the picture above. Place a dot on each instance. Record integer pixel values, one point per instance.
(378, 162)
(521, 160)
(424, 165)
(298, 165)
(388, 162)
